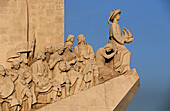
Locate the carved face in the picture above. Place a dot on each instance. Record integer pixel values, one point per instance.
(70, 46)
(49, 49)
(61, 50)
(81, 38)
(72, 39)
(118, 16)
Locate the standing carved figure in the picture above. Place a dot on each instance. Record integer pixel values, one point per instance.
(7, 92)
(85, 56)
(76, 78)
(42, 81)
(117, 38)
(25, 69)
(21, 79)
(54, 61)
(63, 79)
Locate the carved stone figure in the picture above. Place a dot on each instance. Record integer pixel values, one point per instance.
(48, 52)
(43, 85)
(21, 79)
(25, 69)
(69, 56)
(63, 79)
(55, 59)
(24, 62)
(70, 38)
(102, 54)
(117, 38)
(7, 92)
(83, 50)
(76, 78)
(85, 55)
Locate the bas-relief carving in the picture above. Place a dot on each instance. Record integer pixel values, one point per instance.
(52, 75)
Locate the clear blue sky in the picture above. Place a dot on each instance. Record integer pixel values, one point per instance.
(149, 22)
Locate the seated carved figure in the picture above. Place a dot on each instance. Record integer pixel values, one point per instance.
(85, 56)
(102, 55)
(117, 38)
(7, 92)
(21, 78)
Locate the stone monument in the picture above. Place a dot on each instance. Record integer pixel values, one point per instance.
(40, 72)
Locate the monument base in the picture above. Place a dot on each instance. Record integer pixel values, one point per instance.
(113, 95)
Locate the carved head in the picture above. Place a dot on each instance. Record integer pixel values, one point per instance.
(108, 47)
(81, 38)
(2, 70)
(115, 14)
(40, 55)
(15, 64)
(23, 59)
(70, 38)
(48, 48)
(60, 49)
(68, 45)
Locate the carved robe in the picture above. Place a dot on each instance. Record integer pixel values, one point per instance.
(40, 76)
(117, 40)
(81, 52)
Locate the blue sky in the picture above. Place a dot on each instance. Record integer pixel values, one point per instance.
(149, 22)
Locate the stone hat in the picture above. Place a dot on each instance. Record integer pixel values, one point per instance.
(113, 13)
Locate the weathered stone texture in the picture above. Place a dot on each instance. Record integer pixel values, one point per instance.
(45, 19)
(12, 26)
